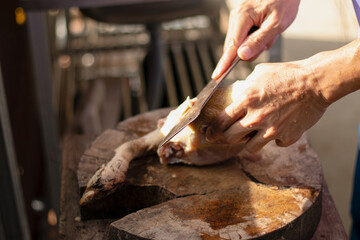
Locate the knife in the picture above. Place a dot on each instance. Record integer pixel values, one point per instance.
(204, 95)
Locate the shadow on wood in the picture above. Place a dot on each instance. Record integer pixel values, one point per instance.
(279, 196)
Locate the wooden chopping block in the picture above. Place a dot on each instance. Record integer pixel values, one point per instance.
(277, 197)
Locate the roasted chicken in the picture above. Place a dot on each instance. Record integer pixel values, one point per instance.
(188, 146)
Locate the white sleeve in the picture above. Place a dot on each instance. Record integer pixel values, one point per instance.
(357, 12)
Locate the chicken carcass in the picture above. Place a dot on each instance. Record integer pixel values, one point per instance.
(188, 146)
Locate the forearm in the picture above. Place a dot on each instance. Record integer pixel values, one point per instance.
(337, 72)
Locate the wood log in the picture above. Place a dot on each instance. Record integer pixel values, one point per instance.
(70, 226)
(276, 197)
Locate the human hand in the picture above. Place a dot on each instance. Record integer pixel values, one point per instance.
(278, 101)
(271, 16)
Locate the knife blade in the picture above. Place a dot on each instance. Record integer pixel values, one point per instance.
(201, 99)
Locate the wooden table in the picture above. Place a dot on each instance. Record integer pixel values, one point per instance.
(71, 226)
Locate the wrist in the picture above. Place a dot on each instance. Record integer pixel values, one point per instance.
(335, 73)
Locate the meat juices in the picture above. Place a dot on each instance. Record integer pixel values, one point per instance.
(188, 146)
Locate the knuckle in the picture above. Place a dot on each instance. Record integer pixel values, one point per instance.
(251, 124)
(230, 111)
(257, 42)
(231, 43)
(246, 10)
(276, 22)
(280, 26)
(250, 96)
(253, 148)
(257, 120)
(270, 133)
(285, 142)
(247, 124)
(241, 8)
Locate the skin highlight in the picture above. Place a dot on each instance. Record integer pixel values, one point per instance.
(283, 100)
(271, 16)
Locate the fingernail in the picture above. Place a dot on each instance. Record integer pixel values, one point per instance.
(244, 53)
(215, 73)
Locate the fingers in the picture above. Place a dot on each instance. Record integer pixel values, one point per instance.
(224, 63)
(269, 45)
(285, 143)
(226, 118)
(246, 47)
(237, 132)
(238, 29)
(256, 139)
(254, 157)
(257, 142)
(260, 40)
(255, 136)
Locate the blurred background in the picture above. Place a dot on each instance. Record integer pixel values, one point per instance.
(325, 25)
(80, 70)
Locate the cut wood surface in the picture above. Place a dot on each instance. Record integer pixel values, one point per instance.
(277, 196)
(72, 227)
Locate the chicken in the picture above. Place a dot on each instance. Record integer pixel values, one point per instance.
(188, 146)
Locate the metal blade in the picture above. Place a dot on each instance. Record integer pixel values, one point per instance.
(205, 94)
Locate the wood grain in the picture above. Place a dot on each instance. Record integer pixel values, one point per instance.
(277, 196)
(71, 226)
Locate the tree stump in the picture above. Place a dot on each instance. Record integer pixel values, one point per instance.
(276, 197)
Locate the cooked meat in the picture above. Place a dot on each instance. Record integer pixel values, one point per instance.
(188, 146)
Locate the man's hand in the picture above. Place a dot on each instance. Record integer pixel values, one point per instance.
(271, 16)
(278, 101)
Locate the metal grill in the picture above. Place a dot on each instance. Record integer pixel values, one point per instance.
(100, 73)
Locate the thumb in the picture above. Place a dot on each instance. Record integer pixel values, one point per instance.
(258, 41)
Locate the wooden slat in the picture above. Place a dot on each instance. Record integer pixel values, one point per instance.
(125, 98)
(216, 50)
(181, 71)
(67, 91)
(205, 60)
(170, 81)
(110, 107)
(195, 67)
(87, 118)
(143, 106)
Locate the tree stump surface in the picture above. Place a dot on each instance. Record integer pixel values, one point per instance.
(276, 197)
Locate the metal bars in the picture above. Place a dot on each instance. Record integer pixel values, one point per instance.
(13, 221)
(44, 94)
